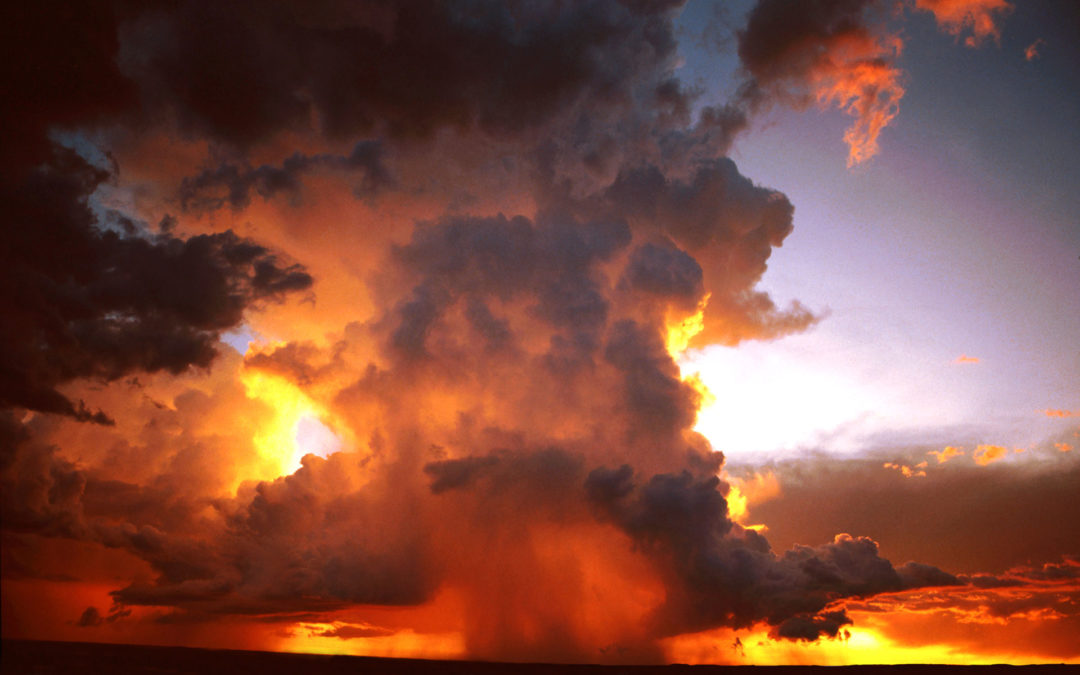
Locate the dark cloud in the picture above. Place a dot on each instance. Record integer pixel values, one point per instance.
(232, 184)
(42, 492)
(717, 205)
(667, 272)
(299, 362)
(268, 559)
(918, 575)
(783, 40)
(457, 473)
(730, 226)
(983, 510)
(242, 72)
(550, 265)
(826, 624)
(91, 617)
(351, 631)
(829, 52)
(724, 575)
(988, 581)
(86, 302)
(58, 69)
(1066, 570)
(87, 297)
(657, 403)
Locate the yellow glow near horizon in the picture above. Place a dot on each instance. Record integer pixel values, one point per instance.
(863, 645)
(310, 638)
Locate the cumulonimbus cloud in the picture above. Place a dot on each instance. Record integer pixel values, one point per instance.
(540, 204)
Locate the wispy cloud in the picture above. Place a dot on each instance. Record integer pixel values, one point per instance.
(1031, 52)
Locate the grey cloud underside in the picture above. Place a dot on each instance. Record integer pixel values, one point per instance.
(728, 576)
(983, 510)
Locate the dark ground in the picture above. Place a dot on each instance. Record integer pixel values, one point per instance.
(22, 657)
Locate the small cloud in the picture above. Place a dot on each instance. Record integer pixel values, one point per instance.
(987, 454)
(906, 470)
(351, 631)
(1063, 447)
(945, 455)
(1060, 413)
(90, 617)
(964, 358)
(1032, 51)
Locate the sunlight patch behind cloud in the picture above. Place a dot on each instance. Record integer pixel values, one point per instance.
(770, 399)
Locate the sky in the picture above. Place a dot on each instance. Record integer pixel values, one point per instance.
(614, 332)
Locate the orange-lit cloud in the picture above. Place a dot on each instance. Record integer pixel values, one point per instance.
(841, 55)
(932, 626)
(906, 471)
(945, 455)
(1063, 447)
(1031, 52)
(746, 492)
(987, 454)
(964, 358)
(1037, 602)
(982, 18)
(826, 54)
(682, 330)
(1057, 412)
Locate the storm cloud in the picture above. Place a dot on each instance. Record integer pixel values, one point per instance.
(523, 202)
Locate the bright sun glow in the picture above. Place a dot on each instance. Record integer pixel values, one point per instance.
(768, 399)
(682, 330)
(298, 426)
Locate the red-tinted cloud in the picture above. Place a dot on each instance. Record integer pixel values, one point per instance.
(979, 19)
(827, 53)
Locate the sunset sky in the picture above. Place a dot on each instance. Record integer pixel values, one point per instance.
(619, 332)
